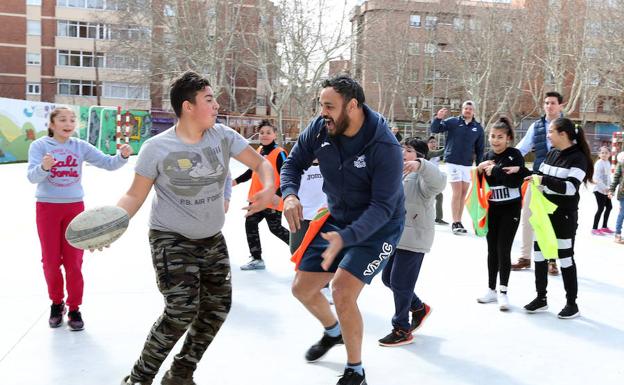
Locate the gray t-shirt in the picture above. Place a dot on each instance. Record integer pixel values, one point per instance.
(189, 179)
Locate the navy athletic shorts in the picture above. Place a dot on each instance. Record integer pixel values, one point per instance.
(364, 260)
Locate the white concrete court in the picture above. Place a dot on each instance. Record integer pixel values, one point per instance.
(267, 332)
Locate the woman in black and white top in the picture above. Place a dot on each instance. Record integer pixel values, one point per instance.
(504, 171)
(567, 165)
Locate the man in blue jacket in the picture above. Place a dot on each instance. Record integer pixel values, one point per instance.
(465, 141)
(361, 163)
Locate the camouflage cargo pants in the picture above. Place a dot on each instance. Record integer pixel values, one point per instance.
(193, 276)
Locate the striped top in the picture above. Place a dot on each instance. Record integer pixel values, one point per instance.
(563, 172)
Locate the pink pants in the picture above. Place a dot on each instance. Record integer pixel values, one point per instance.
(52, 221)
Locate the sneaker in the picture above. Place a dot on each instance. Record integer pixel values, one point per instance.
(397, 337)
(489, 296)
(503, 301)
(326, 291)
(169, 379)
(458, 229)
(537, 305)
(126, 381)
(419, 316)
(254, 264)
(606, 230)
(351, 377)
(441, 222)
(56, 314)
(569, 311)
(552, 268)
(74, 321)
(321, 348)
(618, 239)
(523, 263)
(596, 232)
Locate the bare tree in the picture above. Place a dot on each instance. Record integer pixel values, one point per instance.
(292, 48)
(171, 36)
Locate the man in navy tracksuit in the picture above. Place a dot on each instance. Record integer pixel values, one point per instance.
(464, 141)
(361, 162)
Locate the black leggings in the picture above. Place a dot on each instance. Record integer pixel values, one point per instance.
(274, 220)
(604, 203)
(503, 221)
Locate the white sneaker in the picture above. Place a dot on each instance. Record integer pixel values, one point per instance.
(328, 294)
(254, 264)
(488, 297)
(503, 302)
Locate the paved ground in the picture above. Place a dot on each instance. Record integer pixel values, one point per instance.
(267, 332)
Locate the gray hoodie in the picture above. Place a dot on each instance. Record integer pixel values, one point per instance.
(420, 190)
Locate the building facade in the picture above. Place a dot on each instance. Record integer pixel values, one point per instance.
(70, 51)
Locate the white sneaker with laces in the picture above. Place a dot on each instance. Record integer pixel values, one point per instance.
(503, 302)
(254, 264)
(489, 296)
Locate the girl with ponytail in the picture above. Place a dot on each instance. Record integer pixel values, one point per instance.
(567, 166)
(504, 171)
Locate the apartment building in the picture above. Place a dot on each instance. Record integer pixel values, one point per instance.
(66, 51)
(402, 52)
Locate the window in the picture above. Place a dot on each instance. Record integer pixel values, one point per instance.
(588, 105)
(507, 26)
(33, 2)
(593, 79)
(414, 20)
(33, 59)
(430, 48)
(126, 91)
(413, 49)
(458, 23)
(33, 89)
(131, 33)
(33, 27)
(169, 11)
(427, 103)
(79, 58)
(431, 21)
(76, 87)
(591, 52)
(90, 4)
(413, 75)
(455, 104)
(126, 62)
(261, 101)
(412, 100)
(83, 29)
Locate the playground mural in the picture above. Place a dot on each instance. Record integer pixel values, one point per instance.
(23, 121)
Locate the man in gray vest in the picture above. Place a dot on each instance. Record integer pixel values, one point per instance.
(536, 139)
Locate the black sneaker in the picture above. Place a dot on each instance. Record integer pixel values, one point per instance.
(351, 377)
(397, 337)
(537, 305)
(74, 321)
(419, 316)
(321, 348)
(569, 311)
(56, 314)
(441, 222)
(458, 229)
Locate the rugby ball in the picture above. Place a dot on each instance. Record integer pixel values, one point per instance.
(97, 227)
